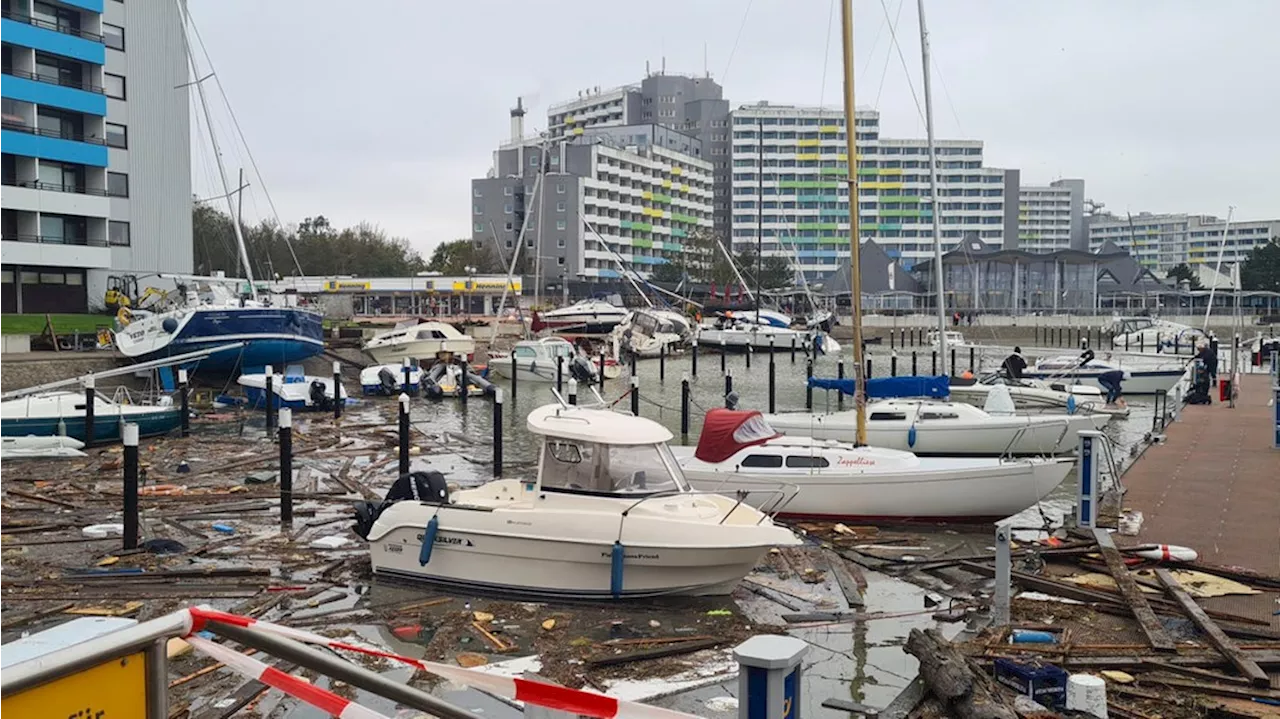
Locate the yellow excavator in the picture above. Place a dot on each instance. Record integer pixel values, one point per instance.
(122, 292)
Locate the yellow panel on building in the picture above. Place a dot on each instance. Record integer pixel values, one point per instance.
(647, 195)
(890, 171)
(881, 185)
(829, 128)
(117, 688)
(807, 143)
(684, 188)
(577, 130)
(808, 156)
(666, 184)
(677, 171)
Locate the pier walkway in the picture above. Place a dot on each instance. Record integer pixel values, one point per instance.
(1215, 484)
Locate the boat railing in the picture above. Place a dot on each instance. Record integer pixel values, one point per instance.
(781, 495)
(1008, 452)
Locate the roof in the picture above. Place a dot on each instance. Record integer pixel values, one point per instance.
(880, 273)
(971, 248)
(726, 431)
(600, 426)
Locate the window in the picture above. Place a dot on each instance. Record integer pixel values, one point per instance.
(60, 177)
(479, 227)
(510, 226)
(117, 184)
(118, 233)
(533, 160)
(477, 209)
(113, 36)
(561, 243)
(560, 225)
(559, 260)
(560, 207)
(807, 462)
(507, 209)
(113, 85)
(475, 192)
(117, 135)
(762, 460)
(560, 188)
(507, 191)
(52, 278)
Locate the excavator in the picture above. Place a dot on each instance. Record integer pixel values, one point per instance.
(122, 292)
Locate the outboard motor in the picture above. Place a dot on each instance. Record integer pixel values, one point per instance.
(319, 396)
(429, 487)
(582, 370)
(388, 380)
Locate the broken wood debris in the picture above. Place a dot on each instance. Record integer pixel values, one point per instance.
(1247, 667)
(1136, 600)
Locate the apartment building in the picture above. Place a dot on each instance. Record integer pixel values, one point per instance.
(1050, 217)
(789, 188)
(611, 195)
(96, 149)
(1160, 241)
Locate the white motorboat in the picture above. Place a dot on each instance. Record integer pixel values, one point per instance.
(291, 389)
(388, 379)
(1148, 334)
(953, 429)
(953, 339)
(35, 447)
(1133, 380)
(1034, 393)
(646, 332)
(536, 361)
(419, 340)
(609, 515)
(738, 450)
(730, 334)
(592, 316)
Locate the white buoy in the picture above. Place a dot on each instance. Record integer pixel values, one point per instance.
(1088, 694)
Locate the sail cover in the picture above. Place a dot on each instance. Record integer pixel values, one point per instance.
(725, 431)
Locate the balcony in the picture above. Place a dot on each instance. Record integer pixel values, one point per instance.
(51, 240)
(40, 38)
(52, 146)
(16, 16)
(42, 132)
(54, 187)
(53, 91)
(46, 251)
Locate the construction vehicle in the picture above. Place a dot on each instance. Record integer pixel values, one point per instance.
(122, 292)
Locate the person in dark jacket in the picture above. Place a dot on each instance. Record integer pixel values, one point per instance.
(1014, 364)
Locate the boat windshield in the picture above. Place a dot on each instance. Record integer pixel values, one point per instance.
(591, 468)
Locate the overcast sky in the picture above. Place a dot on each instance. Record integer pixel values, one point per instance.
(382, 111)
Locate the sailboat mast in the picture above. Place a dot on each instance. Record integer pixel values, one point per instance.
(759, 212)
(217, 155)
(1217, 268)
(855, 266)
(933, 191)
(537, 257)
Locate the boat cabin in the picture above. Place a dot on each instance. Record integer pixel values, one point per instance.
(604, 453)
(546, 349)
(953, 338)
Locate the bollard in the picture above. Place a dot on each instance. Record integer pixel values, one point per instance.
(751, 349)
(560, 372)
(972, 367)
(893, 365)
(129, 435)
(286, 466)
(404, 372)
(694, 369)
(684, 409)
(793, 349)
(770, 676)
(1126, 341)
(268, 396)
(90, 406)
(914, 364)
(515, 373)
(635, 395)
(728, 383)
(1142, 343)
(184, 402)
(602, 363)
(934, 366)
(808, 388)
(773, 386)
(839, 392)
(662, 363)
(723, 366)
(869, 373)
(953, 361)
(404, 434)
(573, 391)
(1000, 608)
(464, 386)
(337, 393)
(633, 363)
(891, 344)
(1087, 492)
(497, 432)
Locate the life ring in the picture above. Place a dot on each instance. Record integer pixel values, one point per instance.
(161, 490)
(1165, 553)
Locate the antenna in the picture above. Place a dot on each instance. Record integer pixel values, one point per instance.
(705, 69)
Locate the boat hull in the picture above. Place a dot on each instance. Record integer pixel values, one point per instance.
(1019, 436)
(106, 427)
(1135, 381)
(763, 340)
(420, 350)
(275, 336)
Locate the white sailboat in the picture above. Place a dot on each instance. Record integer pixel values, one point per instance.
(1036, 394)
(537, 361)
(1148, 334)
(1134, 379)
(609, 515)
(739, 450)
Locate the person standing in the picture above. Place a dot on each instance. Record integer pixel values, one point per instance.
(1014, 365)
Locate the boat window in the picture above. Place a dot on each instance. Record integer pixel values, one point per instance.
(886, 416)
(753, 430)
(939, 415)
(606, 469)
(524, 352)
(565, 451)
(798, 460)
(567, 465)
(762, 460)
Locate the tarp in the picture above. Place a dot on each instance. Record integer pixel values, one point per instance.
(725, 431)
(886, 387)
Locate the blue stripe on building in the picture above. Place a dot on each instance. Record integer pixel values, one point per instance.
(52, 41)
(44, 93)
(53, 148)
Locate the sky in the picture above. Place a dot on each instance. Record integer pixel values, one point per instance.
(383, 111)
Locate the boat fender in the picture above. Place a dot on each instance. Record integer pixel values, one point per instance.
(1032, 636)
(169, 325)
(615, 570)
(911, 436)
(1071, 404)
(1167, 553)
(429, 540)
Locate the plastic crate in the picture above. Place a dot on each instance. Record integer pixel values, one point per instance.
(1045, 683)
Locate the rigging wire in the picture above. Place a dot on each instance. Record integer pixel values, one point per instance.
(737, 38)
(884, 73)
(826, 53)
(937, 70)
(893, 34)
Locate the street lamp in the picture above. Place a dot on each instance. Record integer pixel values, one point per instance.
(471, 288)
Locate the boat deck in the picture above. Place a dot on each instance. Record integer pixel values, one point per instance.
(1215, 484)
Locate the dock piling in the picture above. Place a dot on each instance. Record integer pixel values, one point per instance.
(560, 373)
(684, 409)
(515, 373)
(90, 395)
(573, 391)
(723, 359)
(269, 396)
(728, 383)
(953, 361)
(893, 365)
(694, 359)
(934, 367)
(1000, 608)
(404, 372)
(793, 349)
(840, 391)
(808, 389)
(497, 432)
(184, 403)
(635, 395)
(464, 385)
(129, 435)
(602, 362)
(869, 373)
(337, 390)
(662, 363)
(404, 434)
(773, 386)
(914, 363)
(972, 367)
(286, 466)
(751, 349)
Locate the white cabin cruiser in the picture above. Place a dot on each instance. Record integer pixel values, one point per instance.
(418, 340)
(930, 427)
(293, 389)
(738, 450)
(1133, 380)
(610, 515)
(592, 316)
(953, 338)
(1035, 393)
(730, 333)
(536, 361)
(1148, 334)
(645, 332)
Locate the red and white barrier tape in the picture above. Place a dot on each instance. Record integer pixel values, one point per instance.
(322, 699)
(551, 696)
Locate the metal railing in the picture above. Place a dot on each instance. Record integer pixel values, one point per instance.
(55, 240)
(57, 135)
(54, 26)
(55, 80)
(55, 187)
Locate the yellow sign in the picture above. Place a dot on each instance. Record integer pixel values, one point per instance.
(481, 285)
(337, 285)
(114, 690)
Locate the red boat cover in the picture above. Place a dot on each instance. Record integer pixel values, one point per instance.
(725, 431)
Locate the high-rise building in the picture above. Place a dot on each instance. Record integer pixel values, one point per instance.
(642, 189)
(1160, 241)
(692, 104)
(96, 149)
(1050, 217)
(789, 188)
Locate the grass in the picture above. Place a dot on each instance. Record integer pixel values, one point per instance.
(62, 324)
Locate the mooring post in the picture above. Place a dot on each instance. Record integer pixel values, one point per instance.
(751, 349)
(129, 435)
(497, 432)
(634, 359)
(808, 388)
(269, 396)
(404, 434)
(869, 373)
(728, 383)
(840, 389)
(573, 391)
(90, 406)
(694, 360)
(464, 385)
(769, 676)
(793, 349)
(286, 466)
(934, 366)
(1004, 567)
(972, 367)
(602, 362)
(773, 382)
(1087, 491)
(635, 395)
(723, 358)
(662, 363)
(404, 372)
(892, 334)
(914, 362)
(1275, 411)
(337, 390)
(684, 408)
(560, 373)
(893, 365)
(515, 373)
(184, 403)
(953, 361)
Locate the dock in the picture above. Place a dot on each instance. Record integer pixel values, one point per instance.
(1214, 484)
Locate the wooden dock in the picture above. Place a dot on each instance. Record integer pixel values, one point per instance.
(1214, 485)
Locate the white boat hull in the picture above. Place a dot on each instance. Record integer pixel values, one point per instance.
(1086, 399)
(764, 339)
(420, 349)
(1134, 382)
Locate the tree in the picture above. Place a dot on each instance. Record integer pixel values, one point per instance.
(775, 270)
(453, 258)
(1262, 270)
(1182, 271)
(669, 272)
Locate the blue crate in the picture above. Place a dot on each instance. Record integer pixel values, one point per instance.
(1045, 684)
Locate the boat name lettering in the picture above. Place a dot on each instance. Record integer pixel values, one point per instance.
(634, 556)
(395, 548)
(522, 524)
(455, 541)
(855, 462)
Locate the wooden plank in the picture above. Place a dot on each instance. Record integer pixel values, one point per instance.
(844, 578)
(1247, 666)
(844, 705)
(1195, 673)
(1157, 637)
(669, 650)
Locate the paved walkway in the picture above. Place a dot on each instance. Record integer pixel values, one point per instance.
(1215, 484)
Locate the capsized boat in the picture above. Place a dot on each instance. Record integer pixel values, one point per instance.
(292, 389)
(44, 414)
(387, 380)
(418, 340)
(738, 450)
(1149, 334)
(730, 332)
(1035, 393)
(445, 379)
(536, 360)
(33, 447)
(593, 316)
(1134, 380)
(646, 332)
(610, 515)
